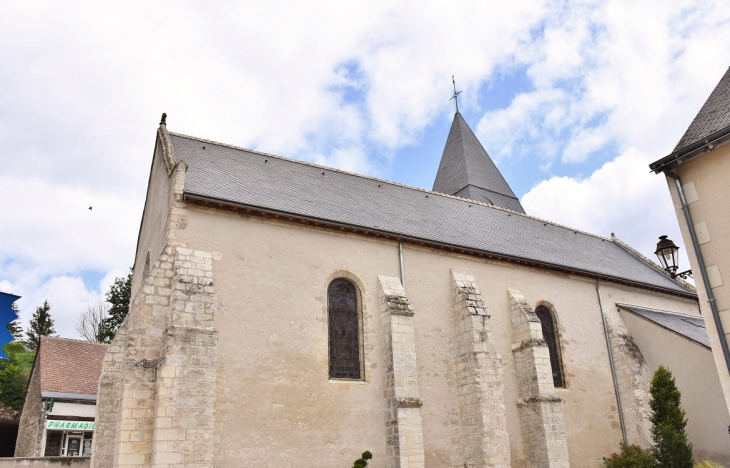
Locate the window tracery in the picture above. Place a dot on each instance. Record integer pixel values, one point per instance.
(344, 330)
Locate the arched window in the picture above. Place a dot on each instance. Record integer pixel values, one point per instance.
(344, 330)
(550, 333)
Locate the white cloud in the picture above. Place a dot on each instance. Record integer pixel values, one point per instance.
(339, 83)
(622, 197)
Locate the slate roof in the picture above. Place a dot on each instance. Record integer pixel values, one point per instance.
(688, 326)
(70, 366)
(272, 183)
(713, 116)
(467, 170)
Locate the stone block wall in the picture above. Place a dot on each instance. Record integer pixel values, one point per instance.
(482, 439)
(30, 428)
(541, 411)
(403, 421)
(161, 370)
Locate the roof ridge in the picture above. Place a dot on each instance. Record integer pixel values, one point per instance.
(75, 340)
(662, 311)
(398, 184)
(648, 261)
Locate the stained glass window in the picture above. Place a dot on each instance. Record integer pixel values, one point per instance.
(550, 333)
(344, 339)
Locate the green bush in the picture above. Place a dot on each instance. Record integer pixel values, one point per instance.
(631, 456)
(14, 374)
(707, 464)
(362, 461)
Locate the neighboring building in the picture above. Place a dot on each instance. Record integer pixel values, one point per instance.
(700, 164)
(288, 314)
(57, 418)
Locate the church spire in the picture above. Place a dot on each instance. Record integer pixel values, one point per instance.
(467, 171)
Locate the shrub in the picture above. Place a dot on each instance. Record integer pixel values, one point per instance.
(631, 456)
(671, 448)
(707, 464)
(362, 461)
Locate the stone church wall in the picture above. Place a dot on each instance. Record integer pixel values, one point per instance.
(273, 342)
(223, 360)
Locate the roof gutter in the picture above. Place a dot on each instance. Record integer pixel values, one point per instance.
(188, 196)
(690, 151)
(703, 269)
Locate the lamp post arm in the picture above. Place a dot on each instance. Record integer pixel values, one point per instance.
(703, 270)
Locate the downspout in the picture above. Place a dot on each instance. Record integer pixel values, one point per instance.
(613, 367)
(703, 269)
(402, 273)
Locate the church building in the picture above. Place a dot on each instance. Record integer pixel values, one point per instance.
(286, 314)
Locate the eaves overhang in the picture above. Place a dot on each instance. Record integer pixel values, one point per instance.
(213, 202)
(692, 151)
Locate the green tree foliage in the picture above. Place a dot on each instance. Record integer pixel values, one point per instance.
(362, 462)
(118, 296)
(14, 374)
(671, 448)
(40, 325)
(14, 327)
(631, 456)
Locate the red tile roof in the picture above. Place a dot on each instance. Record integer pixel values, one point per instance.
(70, 366)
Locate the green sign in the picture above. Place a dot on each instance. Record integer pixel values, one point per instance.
(70, 425)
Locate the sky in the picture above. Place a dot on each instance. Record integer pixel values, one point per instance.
(572, 99)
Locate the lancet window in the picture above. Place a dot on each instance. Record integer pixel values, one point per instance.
(344, 330)
(550, 334)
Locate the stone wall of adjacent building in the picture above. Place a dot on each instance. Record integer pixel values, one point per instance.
(30, 429)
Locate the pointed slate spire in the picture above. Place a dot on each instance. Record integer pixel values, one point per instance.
(467, 171)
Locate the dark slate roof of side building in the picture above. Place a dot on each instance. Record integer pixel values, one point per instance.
(688, 326)
(713, 116)
(710, 128)
(271, 183)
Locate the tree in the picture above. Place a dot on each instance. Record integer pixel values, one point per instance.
(671, 449)
(91, 324)
(14, 327)
(14, 374)
(118, 296)
(40, 325)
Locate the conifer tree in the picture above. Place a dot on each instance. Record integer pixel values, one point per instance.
(40, 325)
(118, 296)
(14, 327)
(671, 448)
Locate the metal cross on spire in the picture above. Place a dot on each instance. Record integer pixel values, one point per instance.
(455, 97)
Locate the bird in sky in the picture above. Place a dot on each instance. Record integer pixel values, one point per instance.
(90, 209)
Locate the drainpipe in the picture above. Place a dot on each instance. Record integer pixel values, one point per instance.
(402, 273)
(703, 269)
(613, 367)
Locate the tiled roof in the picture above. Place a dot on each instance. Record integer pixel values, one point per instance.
(247, 178)
(713, 116)
(689, 326)
(70, 366)
(467, 170)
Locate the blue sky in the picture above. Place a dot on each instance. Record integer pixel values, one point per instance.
(572, 99)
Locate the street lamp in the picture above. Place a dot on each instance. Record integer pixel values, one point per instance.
(667, 253)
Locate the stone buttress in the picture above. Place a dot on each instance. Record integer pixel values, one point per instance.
(482, 439)
(404, 426)
(157, 392)
(541, 411)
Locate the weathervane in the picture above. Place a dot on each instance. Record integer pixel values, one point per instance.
(455, 97)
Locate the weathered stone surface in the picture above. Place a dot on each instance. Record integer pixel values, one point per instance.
(403, 406)
(482, 438)
(541, 411)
